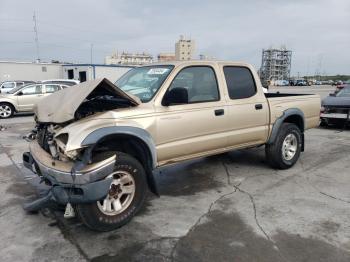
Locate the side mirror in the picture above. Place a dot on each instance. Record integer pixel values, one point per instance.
(20, 93)
(176, 96)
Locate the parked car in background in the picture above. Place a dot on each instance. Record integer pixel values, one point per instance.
(339, 86)
(67, 82)
(336, 108)
(292, 82)
(336, 83)
(301, 83)
(24, 98)
(282, 82)
(9, 85)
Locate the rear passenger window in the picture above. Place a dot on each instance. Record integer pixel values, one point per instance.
(32, 90)
(52, 88)
(200, 82)
(240, 82)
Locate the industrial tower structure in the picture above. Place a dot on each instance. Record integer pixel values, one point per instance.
(275, 65)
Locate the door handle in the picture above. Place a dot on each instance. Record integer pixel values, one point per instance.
(258, 106)
(219, 112)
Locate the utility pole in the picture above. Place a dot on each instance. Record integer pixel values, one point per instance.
(36, 38)
(91, 46)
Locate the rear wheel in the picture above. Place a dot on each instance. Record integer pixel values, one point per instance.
(285, 151)
(125, 197)
(6, 110)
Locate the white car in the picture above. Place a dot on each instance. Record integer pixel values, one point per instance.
(68, 82)
(24, 99)
(9, 85)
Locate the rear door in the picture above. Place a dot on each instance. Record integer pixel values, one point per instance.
(195, 128)
(28, 96)
(248, 111)
(51, 88)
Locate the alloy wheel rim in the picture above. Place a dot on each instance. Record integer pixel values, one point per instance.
(289, 147)
(5, 111)
(120, 194)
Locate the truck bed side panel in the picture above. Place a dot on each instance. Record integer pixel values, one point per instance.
(308, 104)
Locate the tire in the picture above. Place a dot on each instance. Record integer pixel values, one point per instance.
(6, 110)
(93, 216)
(323, 123)
(277, 154)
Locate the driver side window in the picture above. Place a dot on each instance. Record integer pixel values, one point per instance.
(32, 90)
(200, 82)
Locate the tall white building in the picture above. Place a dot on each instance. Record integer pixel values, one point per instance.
(184, 49)
(128, 59)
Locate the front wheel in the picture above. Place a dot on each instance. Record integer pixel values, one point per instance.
(125, 197)
(6, 110)
(285, 150)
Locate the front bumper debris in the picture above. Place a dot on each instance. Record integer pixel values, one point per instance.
(84, 186)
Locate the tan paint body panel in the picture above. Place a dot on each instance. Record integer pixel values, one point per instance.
(309, 104)
(183, 132)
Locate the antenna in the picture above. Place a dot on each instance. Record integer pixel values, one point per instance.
(91, 47)
(36, 37)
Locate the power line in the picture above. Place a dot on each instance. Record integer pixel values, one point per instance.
(36, 37)
(16, 31)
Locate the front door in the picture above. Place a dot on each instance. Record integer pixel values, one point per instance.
(194, 128)
(29, 96)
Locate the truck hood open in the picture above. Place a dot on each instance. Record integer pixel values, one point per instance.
(63, 105)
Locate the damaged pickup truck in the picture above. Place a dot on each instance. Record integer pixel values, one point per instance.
(98, 145)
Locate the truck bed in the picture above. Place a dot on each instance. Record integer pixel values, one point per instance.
(309, 104)
(278, 94)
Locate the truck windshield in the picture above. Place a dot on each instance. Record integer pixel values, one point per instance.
(145, 81)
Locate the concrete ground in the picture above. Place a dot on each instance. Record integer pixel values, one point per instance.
(230, 207)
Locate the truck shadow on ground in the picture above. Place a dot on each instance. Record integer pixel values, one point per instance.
(221, 233)
(336, 127)
(225, 237)
(206, 173)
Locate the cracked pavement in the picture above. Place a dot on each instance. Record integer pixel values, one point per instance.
(229, 207)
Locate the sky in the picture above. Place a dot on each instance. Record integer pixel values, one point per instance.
(317, 31)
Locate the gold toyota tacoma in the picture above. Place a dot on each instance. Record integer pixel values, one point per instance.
(97, 145)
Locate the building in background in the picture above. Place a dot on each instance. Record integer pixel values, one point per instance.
(206, 57)
(31, 71)
(275, 65)
(184, 49)
(163, 57)
(86, 72)
(128, 59)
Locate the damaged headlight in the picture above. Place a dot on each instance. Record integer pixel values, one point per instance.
(73, 154)
(61, 142)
